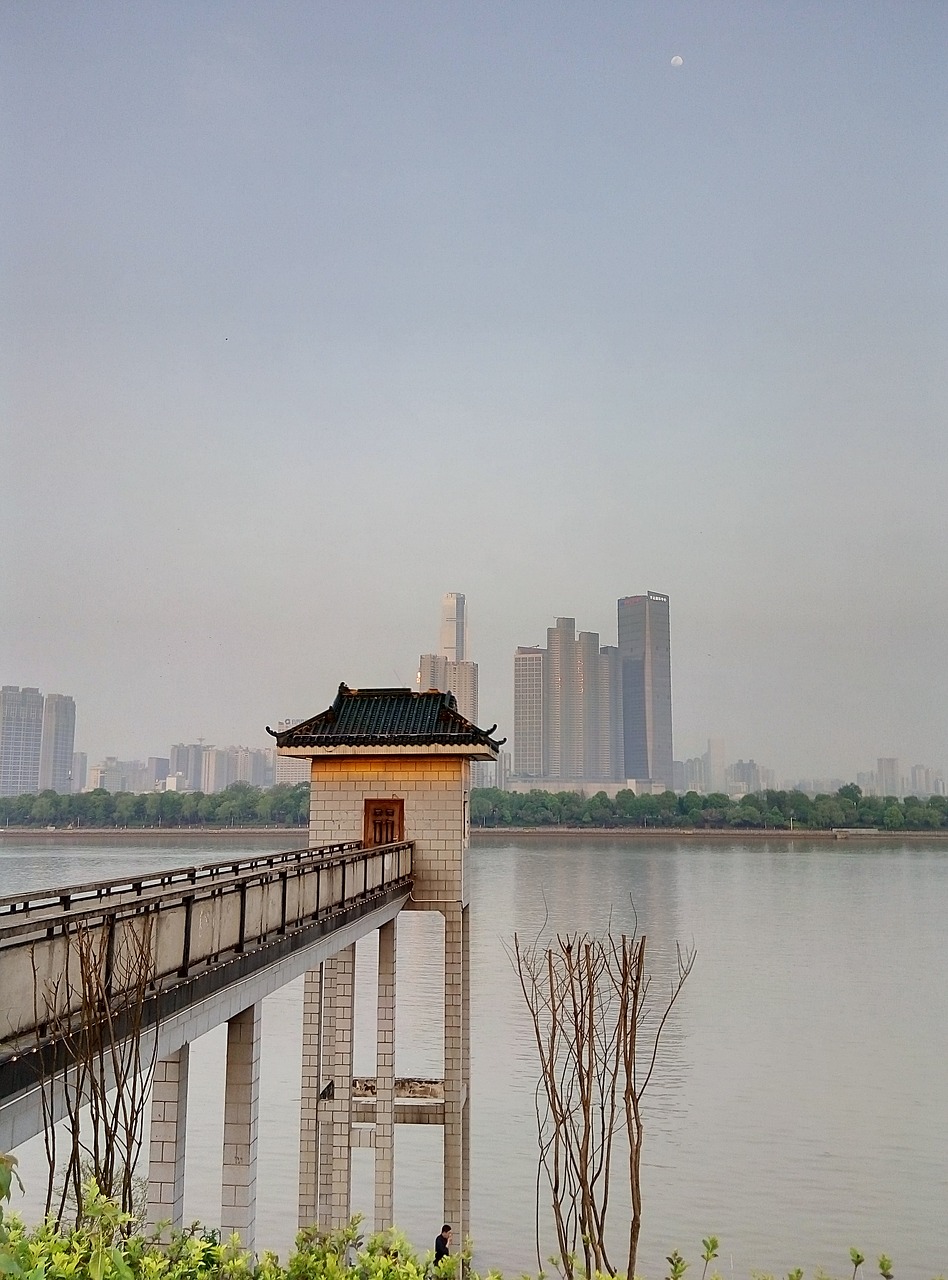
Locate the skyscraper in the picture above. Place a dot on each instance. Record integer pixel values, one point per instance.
(21, 736)
(453, 643)
(449, 670)
(528, 713)
(59, 736)
(567, 709)
(645, 656)
(36, 741)
(460, 678)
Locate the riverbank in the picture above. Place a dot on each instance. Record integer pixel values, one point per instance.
(297, 837)
(723, 834)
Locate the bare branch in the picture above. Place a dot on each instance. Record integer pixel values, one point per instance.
(586, 999)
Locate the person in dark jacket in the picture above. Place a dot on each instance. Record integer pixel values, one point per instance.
(442, 1243)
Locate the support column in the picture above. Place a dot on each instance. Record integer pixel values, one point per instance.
(465, 1223)
(241, 1099)
(335, 1130)
(385, 1081)
(324, 1127)
(310, 1087)
(169, 1122)
(453, 1069)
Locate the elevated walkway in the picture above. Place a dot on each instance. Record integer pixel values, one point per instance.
(216, 938)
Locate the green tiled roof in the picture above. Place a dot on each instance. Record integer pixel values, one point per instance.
(388, 718)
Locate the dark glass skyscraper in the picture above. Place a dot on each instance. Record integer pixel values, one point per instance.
(645, 657)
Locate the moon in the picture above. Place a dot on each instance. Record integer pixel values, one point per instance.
(678, 61)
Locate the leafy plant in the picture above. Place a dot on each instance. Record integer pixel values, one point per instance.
(677, 1266)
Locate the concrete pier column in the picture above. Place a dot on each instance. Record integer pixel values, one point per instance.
(241, 1100)
(169, 1122)
(311, 1084)
(385, 1082)
(465, 1222)
(327, 1049)
(335, 1125)
(453, 1069)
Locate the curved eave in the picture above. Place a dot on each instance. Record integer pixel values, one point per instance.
(467, 750)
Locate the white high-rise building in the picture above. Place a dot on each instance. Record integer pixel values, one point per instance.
(449, 671)
(454, 628)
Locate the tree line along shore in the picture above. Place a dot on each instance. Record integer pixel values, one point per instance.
(244, 806)
(764, 811)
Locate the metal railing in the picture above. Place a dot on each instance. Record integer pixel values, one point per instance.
(195, 916)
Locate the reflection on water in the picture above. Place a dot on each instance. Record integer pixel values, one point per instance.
(800, 1104)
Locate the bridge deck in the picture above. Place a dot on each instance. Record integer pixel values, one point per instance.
(198, 930)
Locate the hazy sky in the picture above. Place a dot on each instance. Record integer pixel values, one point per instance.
(315, 311)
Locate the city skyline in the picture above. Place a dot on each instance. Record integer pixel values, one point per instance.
(566, 315)
(206, 767)
(463, 681)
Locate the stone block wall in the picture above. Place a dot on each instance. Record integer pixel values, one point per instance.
(436, 791)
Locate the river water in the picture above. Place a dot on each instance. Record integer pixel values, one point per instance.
(800, 1104)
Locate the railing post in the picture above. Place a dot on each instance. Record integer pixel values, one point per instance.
(109, 955)
(186, 943)
(243, 915)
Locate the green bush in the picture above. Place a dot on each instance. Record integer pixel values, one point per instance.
(102, 1247)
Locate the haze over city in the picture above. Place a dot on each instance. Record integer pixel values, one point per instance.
(315, 313)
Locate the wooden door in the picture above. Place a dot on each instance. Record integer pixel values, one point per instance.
(384, 822)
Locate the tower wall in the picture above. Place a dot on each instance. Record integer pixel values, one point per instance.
(436, 791)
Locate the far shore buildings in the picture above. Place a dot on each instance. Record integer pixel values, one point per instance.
(37, 735)
(200, 767)
(597, 714)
